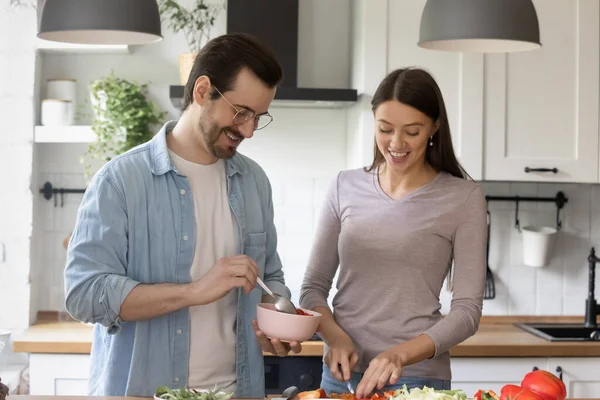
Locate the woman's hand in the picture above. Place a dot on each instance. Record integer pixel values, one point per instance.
(341, 357)
(383, 369)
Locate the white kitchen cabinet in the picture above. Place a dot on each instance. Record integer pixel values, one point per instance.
(471, 374)
(541, 106)
(580, 375)
(59, 374)
(460, 77)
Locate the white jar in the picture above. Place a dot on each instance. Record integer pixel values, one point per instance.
(57, 112)
(62, 89)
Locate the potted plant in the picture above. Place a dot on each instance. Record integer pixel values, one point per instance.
(123, 117)
(195, 23)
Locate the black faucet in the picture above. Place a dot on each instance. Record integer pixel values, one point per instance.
(592, 309)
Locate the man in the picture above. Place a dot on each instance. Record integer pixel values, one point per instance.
(3, 390)
(171, 236)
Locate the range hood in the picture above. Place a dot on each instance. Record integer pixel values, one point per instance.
(276, 23)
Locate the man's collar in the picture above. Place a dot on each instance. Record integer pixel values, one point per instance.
(161, 161)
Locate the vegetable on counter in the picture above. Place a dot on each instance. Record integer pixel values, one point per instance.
(165, 393)
(536, 385)
(546, 384)
(486, 395)
(400, 394)
(313, 394)
(429, 394)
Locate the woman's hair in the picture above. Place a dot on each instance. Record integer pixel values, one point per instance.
(415, 87)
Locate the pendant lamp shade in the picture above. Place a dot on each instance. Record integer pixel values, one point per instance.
(108, 22)
(484, 26)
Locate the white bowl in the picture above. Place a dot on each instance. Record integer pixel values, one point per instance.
(4, 336)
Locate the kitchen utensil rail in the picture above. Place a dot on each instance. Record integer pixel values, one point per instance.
(50, 191)
(560, 200)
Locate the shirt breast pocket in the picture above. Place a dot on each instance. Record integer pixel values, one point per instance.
(255, 246)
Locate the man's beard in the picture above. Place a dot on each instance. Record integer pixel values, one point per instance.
(211, 132)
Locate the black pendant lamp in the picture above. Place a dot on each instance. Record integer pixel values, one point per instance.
(107, 22)
(484, 26)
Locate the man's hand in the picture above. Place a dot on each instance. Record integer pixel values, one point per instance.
(227, 274)
(275, 346)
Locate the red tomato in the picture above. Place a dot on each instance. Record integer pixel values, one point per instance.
(514, 392)
(546, 384)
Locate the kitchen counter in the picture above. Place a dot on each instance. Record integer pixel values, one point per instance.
(496, 337)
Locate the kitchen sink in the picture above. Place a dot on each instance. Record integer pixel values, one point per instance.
(561, 332)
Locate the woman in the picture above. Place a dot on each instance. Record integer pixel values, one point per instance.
(395, 229)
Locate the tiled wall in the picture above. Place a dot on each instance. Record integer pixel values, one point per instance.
(59, 165)
(559, 288)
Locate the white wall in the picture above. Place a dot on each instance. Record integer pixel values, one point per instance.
(17, 73)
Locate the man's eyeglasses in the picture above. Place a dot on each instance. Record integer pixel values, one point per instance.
(244, 115)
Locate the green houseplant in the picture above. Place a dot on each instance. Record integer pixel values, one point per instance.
(123, 117)
(195, 22)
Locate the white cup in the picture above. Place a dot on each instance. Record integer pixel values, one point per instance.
(57, 112)
(62, 89)
(538, 245)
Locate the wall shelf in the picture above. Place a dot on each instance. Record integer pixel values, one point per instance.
(46, 46)
(64, 134)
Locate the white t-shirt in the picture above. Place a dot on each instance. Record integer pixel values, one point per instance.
(212, 326)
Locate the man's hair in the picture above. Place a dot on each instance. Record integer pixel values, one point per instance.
(223, 57)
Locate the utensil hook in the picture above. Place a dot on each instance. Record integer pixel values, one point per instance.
(517, 223)
(560, 203)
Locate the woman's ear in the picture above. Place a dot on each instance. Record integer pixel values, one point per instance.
(436, 127)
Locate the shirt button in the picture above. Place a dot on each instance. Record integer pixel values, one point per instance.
(176, 379)
(179, 331)
(185, 238)
(182, 191)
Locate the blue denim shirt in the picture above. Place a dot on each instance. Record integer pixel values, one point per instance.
(136, 224)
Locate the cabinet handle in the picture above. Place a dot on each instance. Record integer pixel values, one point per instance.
(553, 170)
(559, 371)
(535, 368)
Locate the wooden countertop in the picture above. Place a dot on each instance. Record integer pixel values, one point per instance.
(496, 337)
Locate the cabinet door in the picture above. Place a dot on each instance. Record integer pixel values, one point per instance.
(460, 77)
(581, 375)
(58, 374)
(541, 106)
(471, 374)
